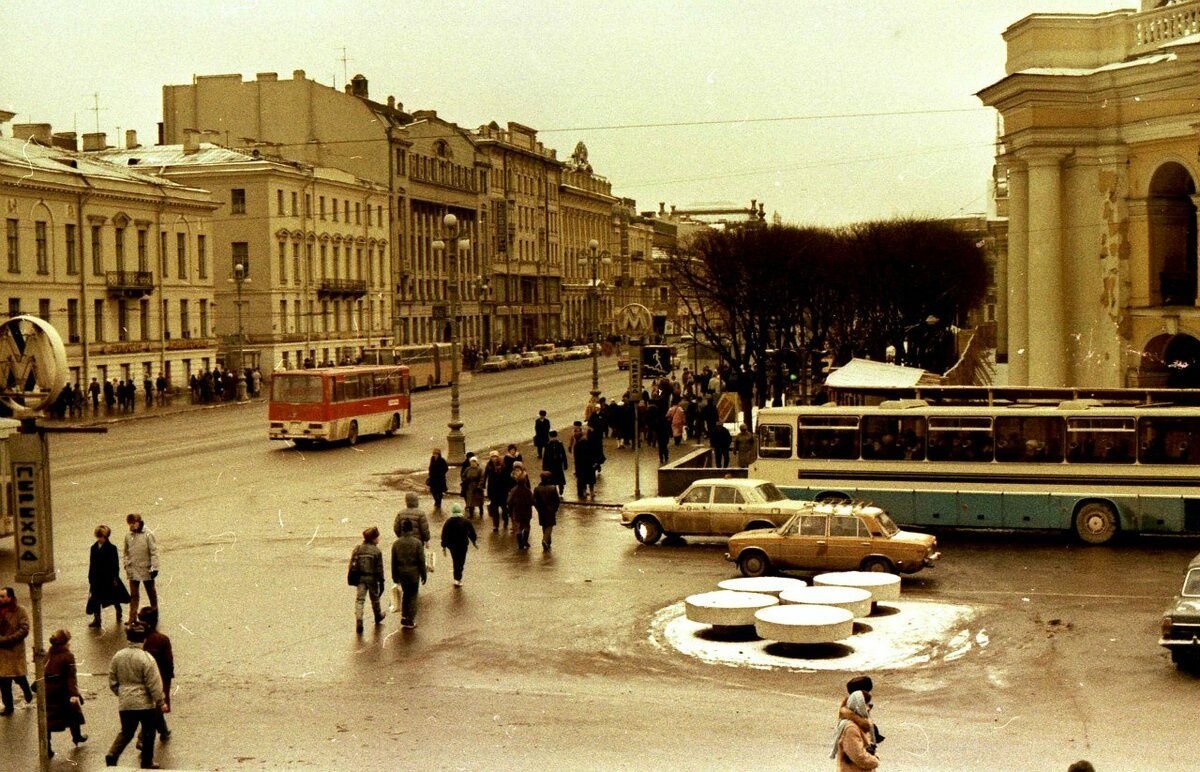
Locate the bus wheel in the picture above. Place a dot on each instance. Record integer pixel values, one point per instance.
(878, 565)
(753, 563)
(647, 530)
(394, 425)
(352, 435)
(1096, 522)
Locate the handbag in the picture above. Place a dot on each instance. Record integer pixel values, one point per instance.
(396, 599)
(353, 577)
(430, 560)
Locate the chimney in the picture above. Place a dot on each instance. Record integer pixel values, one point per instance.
(662, 207)
(391, 103)
(425, 115)
(267, 76)
(162, 134)
(65, 140)
(298, 75)
(358, 86)
(131, 139)
(191, 140)
(6, 116)
(96, 140)
(38, 132)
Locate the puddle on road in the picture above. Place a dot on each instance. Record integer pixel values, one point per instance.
(915, 634)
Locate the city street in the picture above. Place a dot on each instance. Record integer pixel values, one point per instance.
(548, 659)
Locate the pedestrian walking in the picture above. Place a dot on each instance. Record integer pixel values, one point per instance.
(438, 469)
(94, 390)
(412, 512)
(496, 481)
(851, 744)
(64, 703)
(546, 500)
(520, 506)
(408, 571)
(662, 436)
(719, 438)
(141, 562)
(133, 676)
(585, 469)
(745, 446)
(366, 573)
(158, 645)
(472, 488)
(105, 587)
(554, 461)
(865, 685)
(457, 535)
(678, 419)
(541, 432)
(14, 629)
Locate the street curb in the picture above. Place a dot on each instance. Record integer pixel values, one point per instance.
(143, 416)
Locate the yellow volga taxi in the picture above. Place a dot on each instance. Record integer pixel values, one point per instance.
(833, 537)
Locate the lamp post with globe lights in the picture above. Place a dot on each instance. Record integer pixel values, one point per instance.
(594, 258)
(456, 443)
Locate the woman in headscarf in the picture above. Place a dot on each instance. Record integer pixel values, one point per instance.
(472, 490)
(457, 535)
(64, 711)
(105, 587)
(853, 745)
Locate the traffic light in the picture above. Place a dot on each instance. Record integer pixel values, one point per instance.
(820, 362)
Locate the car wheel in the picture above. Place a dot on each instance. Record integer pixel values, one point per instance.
(352, 435)
(753, 563)
(877, 565)
(394, 426)
(1096, 523)
(1184, 659)
(302, 443)
(647, 530)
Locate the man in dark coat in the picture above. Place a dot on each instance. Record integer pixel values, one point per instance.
(408, 571)
(496, 481)
(585, 468)
(158, 645)
(720, 439)
(457, 535)
(14, 629)
(105, 587)
(438, 469)
(554, 461)
(64, 711)
(110, 395)
(520, 506)
(597, 428)
(412, 512)
(546, 500)
(541, 432)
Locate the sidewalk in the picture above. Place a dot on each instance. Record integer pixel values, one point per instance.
(176, 405)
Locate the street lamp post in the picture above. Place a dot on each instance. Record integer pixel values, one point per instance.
(456, 442)
(594, 258)
(239, 278)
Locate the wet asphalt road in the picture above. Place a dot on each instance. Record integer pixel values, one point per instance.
(545, 659)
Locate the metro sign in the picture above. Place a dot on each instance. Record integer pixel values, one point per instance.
(33, 365)
(34, 538)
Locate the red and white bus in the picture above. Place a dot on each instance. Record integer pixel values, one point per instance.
(339, 403)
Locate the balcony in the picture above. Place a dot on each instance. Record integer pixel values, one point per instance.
(129, 284)
(1177, 288)
(342, 288)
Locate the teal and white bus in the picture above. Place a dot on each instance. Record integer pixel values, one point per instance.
(1081, 464)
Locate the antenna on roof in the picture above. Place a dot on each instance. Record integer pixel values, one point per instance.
(345, 68)
(96, 109)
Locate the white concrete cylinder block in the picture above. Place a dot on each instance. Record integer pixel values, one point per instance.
(726, 608)
(768, 585)
(804, 624)
(882, 586)
(854, 599)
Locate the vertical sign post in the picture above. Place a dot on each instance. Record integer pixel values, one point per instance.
(634, 320)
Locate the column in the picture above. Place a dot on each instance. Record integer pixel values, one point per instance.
(1046, 309)
(1018, 256)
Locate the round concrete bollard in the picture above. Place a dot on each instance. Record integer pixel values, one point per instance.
(855, 600)
(882, 586)
(767, 585)
(725, 608)
(804, 624)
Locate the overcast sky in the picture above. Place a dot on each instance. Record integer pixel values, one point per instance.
(591, 71)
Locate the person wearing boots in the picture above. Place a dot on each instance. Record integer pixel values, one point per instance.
(141, 562)
(105, 587)
(133, 676)
(64, 703)
(367, 562)
(14, 629)
(158, 645)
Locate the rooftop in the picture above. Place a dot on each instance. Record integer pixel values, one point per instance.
(40, 158)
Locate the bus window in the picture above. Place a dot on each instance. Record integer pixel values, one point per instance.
(892, 438)
(297, 389)
(1037, 439)
(828, 436)
(1168, 441)
(960, 439)
(1100, 440)
(774, 441)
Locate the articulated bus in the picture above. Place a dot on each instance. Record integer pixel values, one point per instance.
(1079, 465)
(428, 363)
(338, 403)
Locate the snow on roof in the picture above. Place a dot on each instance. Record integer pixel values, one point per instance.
(866, 374)
(174, 155)
(1081, 71)
(35, 157)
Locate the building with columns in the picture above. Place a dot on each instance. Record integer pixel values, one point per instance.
(119, 259)
(1100, 153)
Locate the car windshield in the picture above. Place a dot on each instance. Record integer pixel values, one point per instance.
(1191, 585)
(296, 389)
(769, 492)
(885, 522)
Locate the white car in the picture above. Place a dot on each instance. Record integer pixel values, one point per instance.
(532, 359)
(581, 352)
(715, 506)
(494, 364)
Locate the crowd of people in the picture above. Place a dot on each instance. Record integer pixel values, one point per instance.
(121, 396)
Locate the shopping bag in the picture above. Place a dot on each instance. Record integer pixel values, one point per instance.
(430, 560)
(395, 598)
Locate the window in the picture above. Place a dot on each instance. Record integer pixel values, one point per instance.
(295, 210)
(72, 253)
(297, 389)
(400, 161)
(202, 256)
(43, 254)
(296, 263)
(321, 208)
(308, 205)
(97, 256)
(1169, 440)
(697, 495)
(283, 262)
(1037, 439)
(98, 320)
(829, 437)
(145, 318)
(14, 258)
(181, 254)
(774, 441)
(143, 261)
(241, 256)
(813, 525)
(847, 525)
(165, 310)
(185, 328)
(324, 258)
(119, 247)
(162, 253)
(960, 439)
(279, 201)
(203, 318)
(72, 320)
(379, 215)
(891, 438)
(1101, 440)
(283, 316)
(345, 211)
(122, 320)
(335, 209)
(237, 201)
(727, 494)
(14, 306)
(358, 213)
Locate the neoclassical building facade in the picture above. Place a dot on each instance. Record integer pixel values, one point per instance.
(1101, 148)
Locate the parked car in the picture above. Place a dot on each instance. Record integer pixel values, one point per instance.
(1181, 621)
(623, 362)
(581, 352)
(514, 361)
(833, 537)
(550, 352)
(532, 359)
(710, 507)
(494, 364)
